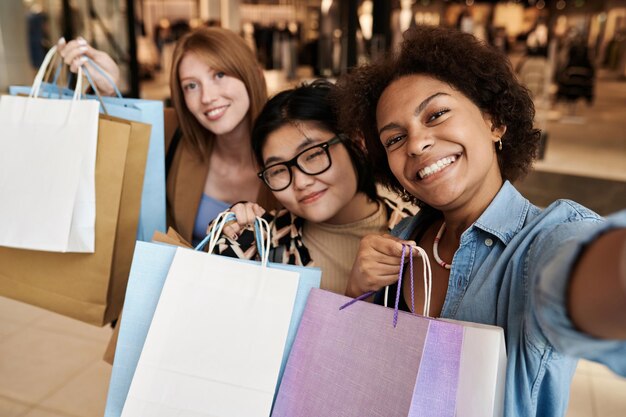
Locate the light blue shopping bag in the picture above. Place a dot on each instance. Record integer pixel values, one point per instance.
(151, 263)
(152, 213)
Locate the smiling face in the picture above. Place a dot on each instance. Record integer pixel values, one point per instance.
(439, 145)
(325, 197)
(218, 101)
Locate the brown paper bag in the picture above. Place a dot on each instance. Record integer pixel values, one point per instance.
(109, 353)
(128, 221)
(90, 287)
(172, 237)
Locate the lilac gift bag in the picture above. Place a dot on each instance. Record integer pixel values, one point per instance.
(356, 362)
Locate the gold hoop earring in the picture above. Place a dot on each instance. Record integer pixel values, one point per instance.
(500, 144)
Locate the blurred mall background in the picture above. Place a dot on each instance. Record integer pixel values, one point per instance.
(570, 53)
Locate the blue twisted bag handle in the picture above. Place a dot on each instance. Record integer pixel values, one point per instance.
(83, 69)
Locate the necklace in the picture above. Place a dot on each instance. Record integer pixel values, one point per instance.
(436, 246)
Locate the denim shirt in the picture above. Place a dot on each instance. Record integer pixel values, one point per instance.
(511, 270)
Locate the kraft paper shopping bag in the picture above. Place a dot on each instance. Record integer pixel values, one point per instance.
(89, 287)
(129, 212)
(152, 214)
(153, 205)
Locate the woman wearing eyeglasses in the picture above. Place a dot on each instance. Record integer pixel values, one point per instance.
(321, 179)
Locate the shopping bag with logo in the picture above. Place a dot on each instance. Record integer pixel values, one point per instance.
(349, 359)
(47, 170)
(152, 216)
(90, 287)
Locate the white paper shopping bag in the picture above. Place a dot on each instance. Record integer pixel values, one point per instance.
(216, 341)
(47, 171)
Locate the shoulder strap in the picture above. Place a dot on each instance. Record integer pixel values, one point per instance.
(171, 151)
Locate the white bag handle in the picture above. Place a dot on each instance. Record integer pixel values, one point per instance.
(216, 231)
(34, 91)
(263, 246)
(427, 277)
(261, 226)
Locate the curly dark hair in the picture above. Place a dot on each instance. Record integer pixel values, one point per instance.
(310, 102)
(480, 72)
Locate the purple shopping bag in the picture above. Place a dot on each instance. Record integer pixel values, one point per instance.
(356, 362)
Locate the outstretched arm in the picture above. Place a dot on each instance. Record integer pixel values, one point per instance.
(579, 296)
(597, 292)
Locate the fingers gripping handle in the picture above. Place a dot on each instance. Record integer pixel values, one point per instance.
(427, 278)
(262, 233)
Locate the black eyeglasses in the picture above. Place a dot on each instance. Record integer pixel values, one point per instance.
(311, 161)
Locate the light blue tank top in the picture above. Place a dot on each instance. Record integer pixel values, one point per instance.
(208, 210)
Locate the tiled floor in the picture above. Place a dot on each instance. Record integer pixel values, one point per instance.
(50, 366)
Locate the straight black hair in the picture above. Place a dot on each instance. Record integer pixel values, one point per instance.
(310, 103)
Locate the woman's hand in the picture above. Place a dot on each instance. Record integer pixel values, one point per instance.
(75, 53)
(377, 264)
(246, 214)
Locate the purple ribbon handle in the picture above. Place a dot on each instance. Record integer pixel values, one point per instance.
(398, 289)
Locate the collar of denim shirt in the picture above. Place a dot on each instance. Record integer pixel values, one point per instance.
(506, 214)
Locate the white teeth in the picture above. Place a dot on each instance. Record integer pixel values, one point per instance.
(215, 112)
(436, 167)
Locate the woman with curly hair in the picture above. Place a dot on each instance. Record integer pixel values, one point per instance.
(447, 125)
